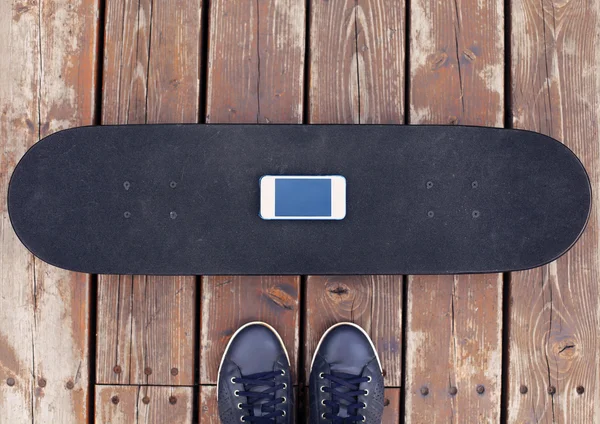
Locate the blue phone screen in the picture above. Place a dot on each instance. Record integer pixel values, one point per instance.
(303, 197)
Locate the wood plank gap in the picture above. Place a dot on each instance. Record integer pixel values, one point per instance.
(402, 406)
(196, 328)
(145, 385)
(504, 380)
(407, 26)
(204, 49)
(306, 82)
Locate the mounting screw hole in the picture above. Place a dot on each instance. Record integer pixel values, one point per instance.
(474, 184)
(476, 214)
(173, 215)
(429, 184)
(172, 184)
(126, 185)
(127, 214)
(430, 214)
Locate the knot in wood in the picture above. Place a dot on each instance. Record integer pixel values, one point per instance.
(565, 349)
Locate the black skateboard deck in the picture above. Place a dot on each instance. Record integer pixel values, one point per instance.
(184, 199)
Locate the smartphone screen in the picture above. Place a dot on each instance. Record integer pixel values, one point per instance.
(303, 197)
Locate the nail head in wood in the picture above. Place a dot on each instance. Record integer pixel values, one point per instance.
(115, 400)
(424, 391)
(70, 385)
(117, 369)
(453, 391)
(174, 371)
(172, 400)
(551, 390)
(146, 400)
(147, 370)
(42, 382)
(10, 381)
(523, 389)
(480, 389)
(580, 390)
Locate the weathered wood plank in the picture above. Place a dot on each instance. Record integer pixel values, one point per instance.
(357, 76)
(209, 409)
(454, 348)
(357, 62)
(229, 302)
(151, 75)
(373, 302)
(256, 62)
(454, 324)
(143, 404)
(554, 311)
(48, 65)
(255, 75)
(391, 410)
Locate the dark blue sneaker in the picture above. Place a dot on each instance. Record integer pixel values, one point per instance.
(346, 381)
(254, 384)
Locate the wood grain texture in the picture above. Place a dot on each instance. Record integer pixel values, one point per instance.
(146, 330)
(555, 310)
(454, 341)
(143, 404)
(151, 75)
(457, 62)
(357, 76)
(48, 70)
(209, 409)
(357, 61)
(255, 75)
(391, 410)
(228, 302)
(256, 61)
(373, 302)
(454, 323)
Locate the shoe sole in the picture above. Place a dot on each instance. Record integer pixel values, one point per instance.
(264, 324)
(339, 325)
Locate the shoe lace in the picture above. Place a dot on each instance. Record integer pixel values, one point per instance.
(256, 394)
(344, 392)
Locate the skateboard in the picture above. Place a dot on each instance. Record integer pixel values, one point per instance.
(186, 199)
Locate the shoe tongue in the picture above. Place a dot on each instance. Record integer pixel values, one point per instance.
(343, 412)
(257, 406)
(258, 410)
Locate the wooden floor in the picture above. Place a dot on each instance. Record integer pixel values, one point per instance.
(519, 348)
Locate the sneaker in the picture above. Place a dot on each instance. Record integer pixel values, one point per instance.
(346, 381)
(254, 383)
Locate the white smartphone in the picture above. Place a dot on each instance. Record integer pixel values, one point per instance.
(304, 197)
